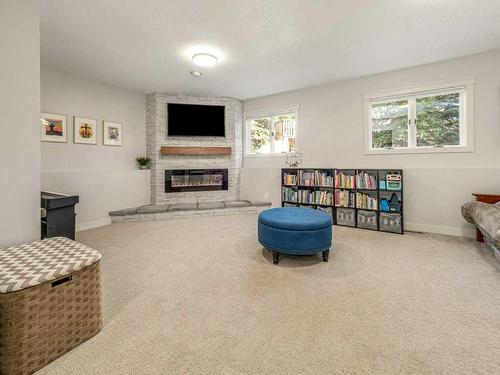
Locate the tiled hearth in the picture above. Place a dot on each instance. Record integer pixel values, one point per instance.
(177, 210)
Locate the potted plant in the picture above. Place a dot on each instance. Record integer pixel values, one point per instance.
(143, 162)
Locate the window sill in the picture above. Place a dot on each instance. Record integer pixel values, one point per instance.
(421, 150)
(265, 155)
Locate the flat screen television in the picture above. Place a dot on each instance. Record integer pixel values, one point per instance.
(194, 120)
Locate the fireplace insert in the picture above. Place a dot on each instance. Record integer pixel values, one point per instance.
(179, 180)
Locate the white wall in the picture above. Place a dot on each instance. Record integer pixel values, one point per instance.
(20, 113)
(331, 125)
(105, 177)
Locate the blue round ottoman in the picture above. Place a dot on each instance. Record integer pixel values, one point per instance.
(295, 231)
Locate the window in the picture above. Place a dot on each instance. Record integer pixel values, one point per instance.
(271, 133)
(429, 119)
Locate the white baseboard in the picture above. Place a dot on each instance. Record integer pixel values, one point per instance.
(93, 224)
(439, 229)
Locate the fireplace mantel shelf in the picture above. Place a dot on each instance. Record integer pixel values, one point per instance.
(176, 150)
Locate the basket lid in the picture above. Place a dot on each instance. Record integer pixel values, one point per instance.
(35, 263)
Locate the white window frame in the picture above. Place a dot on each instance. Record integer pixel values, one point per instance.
(464, 86)
(252, 115)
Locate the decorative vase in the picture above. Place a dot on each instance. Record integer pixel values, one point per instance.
(293, 159)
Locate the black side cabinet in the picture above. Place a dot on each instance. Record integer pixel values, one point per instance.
(58, 215)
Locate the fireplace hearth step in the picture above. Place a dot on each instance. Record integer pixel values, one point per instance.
(177, 207)
(166, 211)
(211, 205)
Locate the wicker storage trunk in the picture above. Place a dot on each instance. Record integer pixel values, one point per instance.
(50, 302)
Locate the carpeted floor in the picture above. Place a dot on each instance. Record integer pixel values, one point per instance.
(201, 296)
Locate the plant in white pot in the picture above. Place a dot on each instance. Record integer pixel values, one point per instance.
(143, 162)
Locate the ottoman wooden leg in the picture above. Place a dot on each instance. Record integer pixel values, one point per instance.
(276, 256)
(325, 255)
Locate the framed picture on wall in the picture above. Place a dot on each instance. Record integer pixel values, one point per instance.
(112, 133)
(53, 128)
(85, 131)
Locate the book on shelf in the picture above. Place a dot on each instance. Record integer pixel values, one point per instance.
(324, 198)
(289, 194)
(345, 181)
(306, 196)
(289, 179)
(365, 201)
(344, 198)
(366, 181)
(323, 179)
(306, 178)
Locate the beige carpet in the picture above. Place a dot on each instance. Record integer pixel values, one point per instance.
(201, 296)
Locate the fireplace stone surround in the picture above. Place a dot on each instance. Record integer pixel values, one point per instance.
(156, 127)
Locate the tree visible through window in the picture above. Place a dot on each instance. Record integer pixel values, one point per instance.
(260, 135)
(390, 124)
(438, 120)
(421, 120)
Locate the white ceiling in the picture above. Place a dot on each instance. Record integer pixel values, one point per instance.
(267, 46)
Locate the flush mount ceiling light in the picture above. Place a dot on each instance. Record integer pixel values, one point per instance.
(195, 73)
(204, 59)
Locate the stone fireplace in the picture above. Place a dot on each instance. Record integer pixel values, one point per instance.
(191, 188)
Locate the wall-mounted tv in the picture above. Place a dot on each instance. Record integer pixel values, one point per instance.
(194, 120)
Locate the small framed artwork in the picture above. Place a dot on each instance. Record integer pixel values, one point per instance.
(85, 131)
(112, 133)
(53, 128)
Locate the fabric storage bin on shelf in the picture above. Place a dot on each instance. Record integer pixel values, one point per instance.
(50, 302)
(367, 219)
(390, 222)
(346, 216)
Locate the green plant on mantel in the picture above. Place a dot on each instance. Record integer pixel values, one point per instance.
(143, 161)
